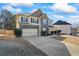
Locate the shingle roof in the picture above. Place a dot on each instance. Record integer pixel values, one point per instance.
(40, 14)
(60, 22)
(44, 16)
(37, 13)
(24, 14)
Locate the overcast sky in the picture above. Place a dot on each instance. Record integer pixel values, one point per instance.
(56, 11)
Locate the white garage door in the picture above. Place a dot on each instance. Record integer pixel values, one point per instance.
(29, 32)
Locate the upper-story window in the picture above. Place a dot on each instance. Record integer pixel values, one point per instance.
(37, 20)
(34, 20)
(44, 21)
(21, 19)
(50, 22)
(24, 19)
(31, 20)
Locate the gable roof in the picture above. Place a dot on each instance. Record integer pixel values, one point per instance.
(44, 16)
(60, 22)
(40, 14)
(37, 13)
(23, 14)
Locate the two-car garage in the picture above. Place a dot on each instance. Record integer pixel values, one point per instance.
(29, 30)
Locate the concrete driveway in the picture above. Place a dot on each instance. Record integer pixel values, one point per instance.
(11, 46)
(49, 46)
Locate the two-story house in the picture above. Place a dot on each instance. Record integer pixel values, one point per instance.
(32, 24)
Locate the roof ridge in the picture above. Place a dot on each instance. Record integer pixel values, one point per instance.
(60, 22)
(37, 13)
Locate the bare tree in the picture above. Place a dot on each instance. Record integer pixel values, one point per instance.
(8, 19)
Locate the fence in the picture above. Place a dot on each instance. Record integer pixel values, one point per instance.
(6, 32)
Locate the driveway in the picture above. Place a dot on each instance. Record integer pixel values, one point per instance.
(49, 46)
(11, 46)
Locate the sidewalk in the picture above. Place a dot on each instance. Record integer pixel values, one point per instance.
(49, 46)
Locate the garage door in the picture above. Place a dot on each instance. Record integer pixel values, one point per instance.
(29, 32)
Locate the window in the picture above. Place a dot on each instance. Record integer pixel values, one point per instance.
(34, 20)
(37, 20)
(31, 20)
(24, 19)
(44, 21)
(21, 19)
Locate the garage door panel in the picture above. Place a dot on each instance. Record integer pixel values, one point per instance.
(29, 32)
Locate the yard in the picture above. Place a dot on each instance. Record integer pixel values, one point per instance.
(67, 38)
(71, 43)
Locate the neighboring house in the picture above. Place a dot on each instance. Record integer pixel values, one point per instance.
(75, 31)
(63, 26)
(78, 31)
(32, 24)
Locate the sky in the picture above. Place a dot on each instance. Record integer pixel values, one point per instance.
(56, 11)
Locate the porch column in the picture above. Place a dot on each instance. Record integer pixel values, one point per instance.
(39, 29)
(17, 22)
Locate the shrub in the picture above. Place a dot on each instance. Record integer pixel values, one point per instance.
(18, 32)
(44, 33)
(52, 32)
(58, 32)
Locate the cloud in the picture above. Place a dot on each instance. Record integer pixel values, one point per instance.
(18, 10)
(33, 10)
(14, 7)
(28, 4)
(73, 19)
(24, 4)
(56, 17)
(63, 7)
(10, 8)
